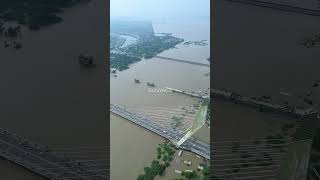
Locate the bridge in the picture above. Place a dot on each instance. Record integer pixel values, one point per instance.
(183, 61)
(278, 6)
(191, 144)
(291, 111)
(44, 162)
(192, 94)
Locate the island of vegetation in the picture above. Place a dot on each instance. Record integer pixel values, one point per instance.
(121, 61)
(147, 45)
(34, 13)
(186, 175)
(312, 41)
(10, 35)
(165, 152)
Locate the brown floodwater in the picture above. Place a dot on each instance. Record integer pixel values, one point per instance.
(257, 51)
(45, 94)
(133, 147)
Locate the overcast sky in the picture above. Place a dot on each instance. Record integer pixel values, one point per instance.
(151, 9)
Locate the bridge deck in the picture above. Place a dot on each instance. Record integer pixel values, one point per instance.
(38, 159)
(183, 61)
(291, 111)
(188, 93)
(191, 144)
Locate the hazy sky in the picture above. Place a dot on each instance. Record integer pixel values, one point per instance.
(160, 8)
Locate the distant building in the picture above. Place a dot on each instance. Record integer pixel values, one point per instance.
(177, 171)
(187, 162)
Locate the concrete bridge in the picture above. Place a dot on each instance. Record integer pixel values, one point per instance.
(40, 160)
(278, 6)
(188, 93)
(291, 111)
(191, 144)
(183, 61)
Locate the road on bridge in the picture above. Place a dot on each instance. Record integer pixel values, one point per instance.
(191, 144)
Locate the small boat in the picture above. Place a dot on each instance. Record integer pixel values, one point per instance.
(85, 60)
(136, 80)
(150, 84)
(285, 94)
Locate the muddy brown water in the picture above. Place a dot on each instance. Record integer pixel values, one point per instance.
(133, 147)
(45, 94)
(258, 52)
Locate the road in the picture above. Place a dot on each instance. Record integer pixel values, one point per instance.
(191, 144)
(37, 158)
(290, 111)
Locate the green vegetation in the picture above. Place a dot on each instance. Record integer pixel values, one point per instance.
(150, 172)
(193, 174)
(147, 45)
(121, 61)
(10, 35)
(166, 151)
(206, 178)
(189, 175)
(116, 41)
(165, 154)
(29, 13)
(312, 41)
(206, 172)
(176, 121)
(34, 13)
(150, 46)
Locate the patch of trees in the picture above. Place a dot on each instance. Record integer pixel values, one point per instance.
(189, 175)
(121, 61)
(10, 35)
(150, 46)
(206, 172)
(155, 169)
(165, 152)
(312, 41)
(34, 13)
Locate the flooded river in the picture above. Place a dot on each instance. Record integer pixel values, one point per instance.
(132, 147)
(258, 51)
(45, 94)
